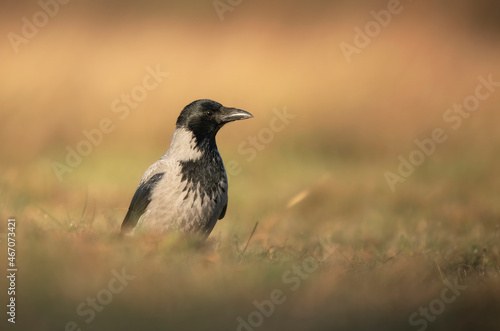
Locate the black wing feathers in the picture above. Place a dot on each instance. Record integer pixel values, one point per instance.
(223, 213)
(140, 202)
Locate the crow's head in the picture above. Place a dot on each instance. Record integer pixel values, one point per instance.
(205, 117)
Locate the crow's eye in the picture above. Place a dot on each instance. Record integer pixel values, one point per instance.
(209, 113)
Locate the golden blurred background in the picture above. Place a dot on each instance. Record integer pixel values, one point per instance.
(63, 77)
(68, 66)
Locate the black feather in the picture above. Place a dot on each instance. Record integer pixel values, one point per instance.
(223, 213)
(207, 173)
(140, 202)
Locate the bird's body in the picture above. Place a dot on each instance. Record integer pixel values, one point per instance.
(189, 188)
(186, 189)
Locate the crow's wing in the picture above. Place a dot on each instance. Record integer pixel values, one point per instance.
(140, 202)
(210, 225)
(223, 213)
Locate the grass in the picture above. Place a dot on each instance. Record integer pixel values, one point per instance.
(387, 253)
(311, 223)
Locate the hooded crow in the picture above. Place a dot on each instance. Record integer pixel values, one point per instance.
(186, 189)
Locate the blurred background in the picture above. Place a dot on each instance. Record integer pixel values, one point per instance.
(66, 68)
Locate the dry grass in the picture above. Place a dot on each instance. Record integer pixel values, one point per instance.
(384, 254)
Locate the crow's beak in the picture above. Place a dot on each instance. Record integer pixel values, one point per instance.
(233, 114)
